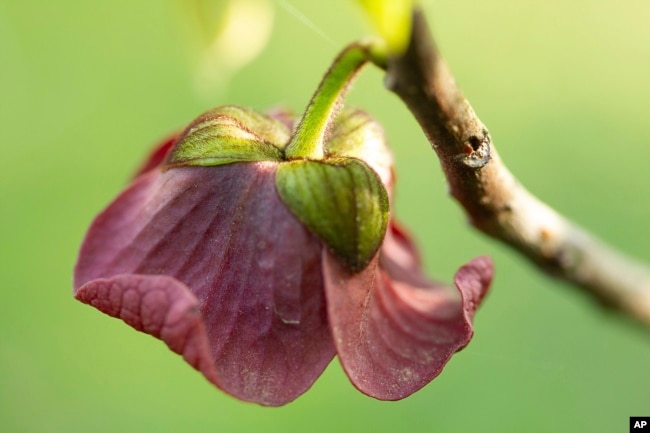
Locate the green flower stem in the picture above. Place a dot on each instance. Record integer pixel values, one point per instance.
(308, 140)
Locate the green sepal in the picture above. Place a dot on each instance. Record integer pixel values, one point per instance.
(230, 134)
(355, 134)
(342, 201)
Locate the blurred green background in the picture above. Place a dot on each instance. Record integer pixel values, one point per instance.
(87, 87)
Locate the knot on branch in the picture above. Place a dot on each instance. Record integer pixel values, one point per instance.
(475, 150)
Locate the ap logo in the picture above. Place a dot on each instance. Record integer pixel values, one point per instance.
(640, 424)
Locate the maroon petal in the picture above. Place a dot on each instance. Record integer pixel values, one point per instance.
(399, 255)
(394, 335)
(256, 272)
(157, 155)
(160, 306)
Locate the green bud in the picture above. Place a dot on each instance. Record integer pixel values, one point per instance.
(392, 20)
(342, 201)
(230, 134)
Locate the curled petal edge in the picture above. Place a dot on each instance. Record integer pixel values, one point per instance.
(157, 305)
(473, 281)
(393, 338)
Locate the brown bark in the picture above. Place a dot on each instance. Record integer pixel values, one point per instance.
(494, 201)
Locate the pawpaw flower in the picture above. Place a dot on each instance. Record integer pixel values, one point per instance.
(259, 260)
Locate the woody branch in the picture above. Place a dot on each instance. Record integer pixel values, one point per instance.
(494, 201)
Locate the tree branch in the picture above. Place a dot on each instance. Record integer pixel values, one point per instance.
(495, 202)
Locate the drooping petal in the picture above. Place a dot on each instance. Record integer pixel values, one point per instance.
(158, 305)
(400, 259)
(255, 270)
(395, 330)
